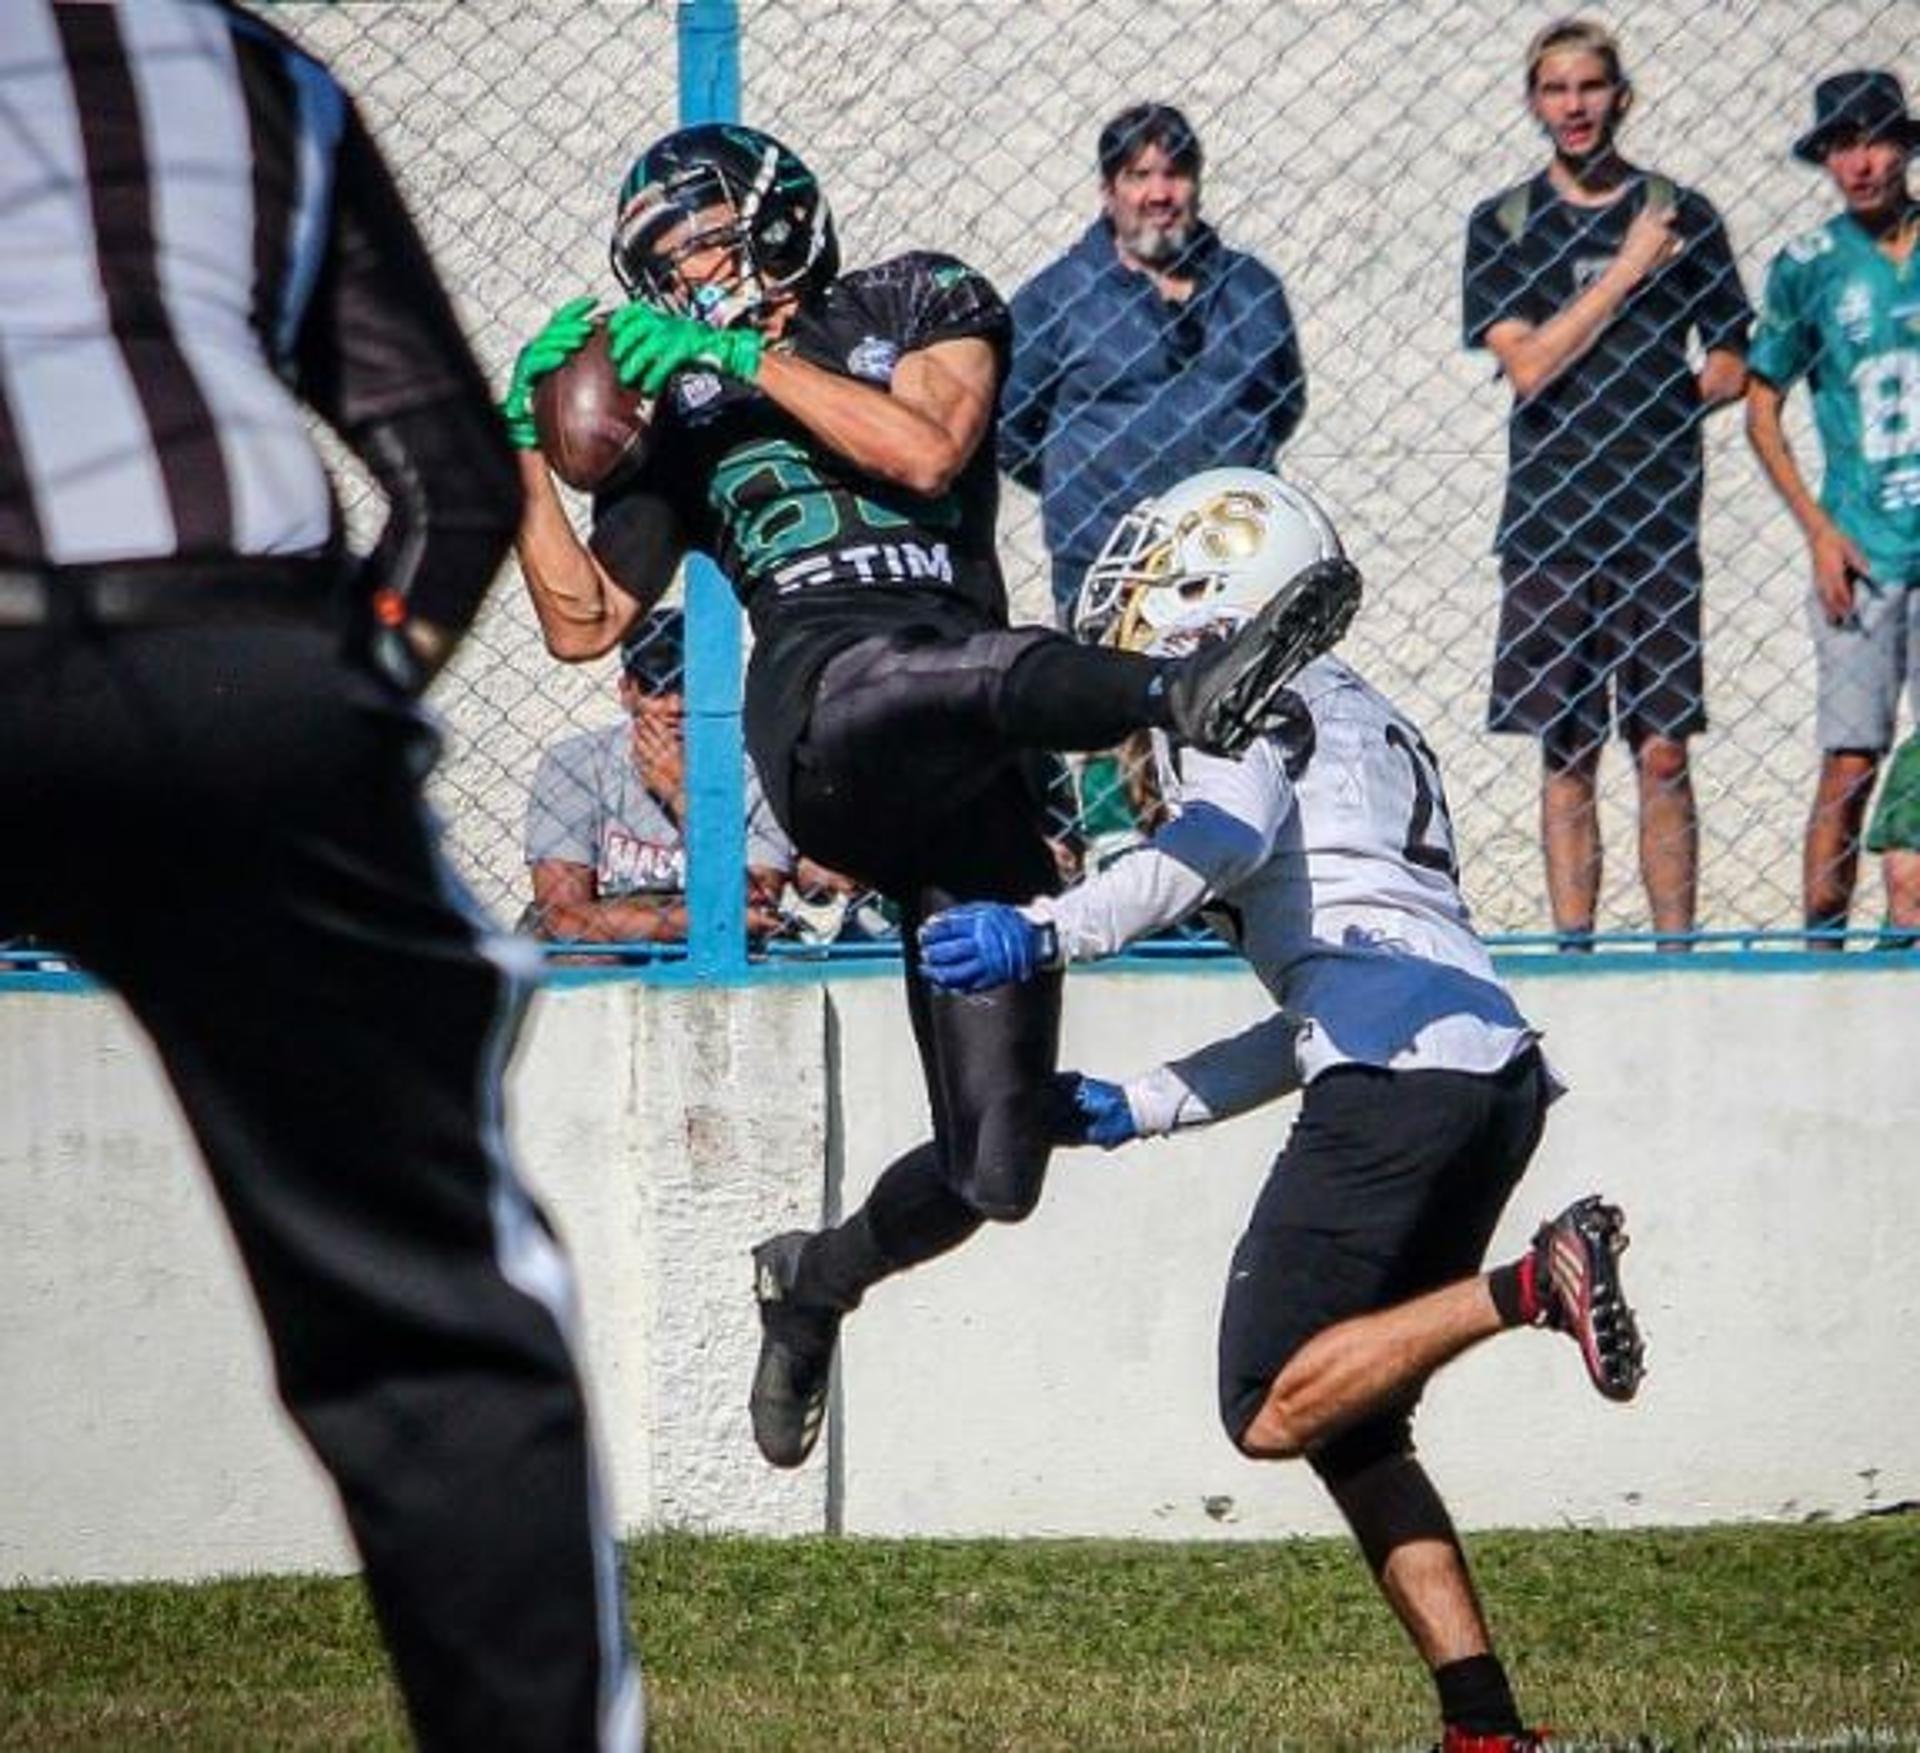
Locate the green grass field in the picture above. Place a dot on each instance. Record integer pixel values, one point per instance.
(1797, 1637)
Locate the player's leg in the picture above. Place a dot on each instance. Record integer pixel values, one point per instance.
(1660, 685)
(1350, 1287)
(335, 1031)
(988, 1064)
(1404, 1532)
(1383, 1202)
(1032, 688)
(1548, 684)
(989, 1059)
(1859, 666)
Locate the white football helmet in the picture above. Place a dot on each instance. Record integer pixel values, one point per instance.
(1196, 561)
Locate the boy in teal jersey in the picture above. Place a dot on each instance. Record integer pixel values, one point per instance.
(1843, 310)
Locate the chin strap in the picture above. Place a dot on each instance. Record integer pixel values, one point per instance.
(727, 307)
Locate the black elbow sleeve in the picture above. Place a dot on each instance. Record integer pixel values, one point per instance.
(454, 498)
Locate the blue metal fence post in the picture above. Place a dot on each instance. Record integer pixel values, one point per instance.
(709, 42)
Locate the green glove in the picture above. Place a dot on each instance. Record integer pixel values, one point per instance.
(565, 334)
(648, 345)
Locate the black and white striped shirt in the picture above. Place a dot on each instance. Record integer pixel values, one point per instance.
(196, 237)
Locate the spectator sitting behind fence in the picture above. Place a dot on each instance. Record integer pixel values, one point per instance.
(1586, 282)
(604, 838)
(1842, 309)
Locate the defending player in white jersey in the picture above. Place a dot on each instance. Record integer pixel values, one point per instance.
(1326, 855)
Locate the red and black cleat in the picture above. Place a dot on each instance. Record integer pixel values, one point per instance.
(1457, 1740)
(1570, 1280)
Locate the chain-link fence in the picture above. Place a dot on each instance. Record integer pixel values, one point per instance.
(1346, 147)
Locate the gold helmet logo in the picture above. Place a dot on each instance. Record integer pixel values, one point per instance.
(1231, 527)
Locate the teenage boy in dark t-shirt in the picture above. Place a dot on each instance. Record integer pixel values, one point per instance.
(1587, 283)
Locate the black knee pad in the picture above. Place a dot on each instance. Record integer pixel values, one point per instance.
(1353, 1452)
(1389, 1502)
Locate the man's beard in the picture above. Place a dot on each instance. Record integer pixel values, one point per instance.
(1157, 245)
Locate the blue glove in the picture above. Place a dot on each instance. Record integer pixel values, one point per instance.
(1106, 1119)
(980, 944)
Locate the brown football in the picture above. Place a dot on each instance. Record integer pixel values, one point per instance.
(591, 425)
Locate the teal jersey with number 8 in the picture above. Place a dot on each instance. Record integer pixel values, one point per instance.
(1841, 314)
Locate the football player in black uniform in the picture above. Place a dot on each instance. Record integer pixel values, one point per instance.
(827, 438)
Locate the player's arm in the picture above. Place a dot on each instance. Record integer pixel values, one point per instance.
(1225, 830)
(920, 432)
(1837, 560)
(568, 907)
(581, 607)
(1227, 1077)
(583, 603)
(1533, 355)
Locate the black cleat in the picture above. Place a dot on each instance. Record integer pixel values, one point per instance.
(1575, 1283)
(1232, 690)
(789, 1398)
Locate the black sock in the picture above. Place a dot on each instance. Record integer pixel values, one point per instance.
(1504, 1286)
(910, 1217)
(838, 1266)
(1475, 1696)
(1059, 695)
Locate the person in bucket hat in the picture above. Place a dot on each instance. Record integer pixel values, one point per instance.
(1842, 310)
(1869, 104)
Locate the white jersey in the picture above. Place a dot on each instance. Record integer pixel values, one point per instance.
(1336, 881)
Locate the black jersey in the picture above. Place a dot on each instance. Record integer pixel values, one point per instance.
(819, 552)
(1605, 461)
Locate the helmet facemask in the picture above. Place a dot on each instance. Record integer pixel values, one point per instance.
(1197, 561)
(761, 206)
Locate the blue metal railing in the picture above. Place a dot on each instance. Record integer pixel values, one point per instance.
(716, 947)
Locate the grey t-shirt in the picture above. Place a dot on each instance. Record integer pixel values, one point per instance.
(589, 806)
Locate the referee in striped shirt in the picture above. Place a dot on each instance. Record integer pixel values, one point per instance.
(210, 762)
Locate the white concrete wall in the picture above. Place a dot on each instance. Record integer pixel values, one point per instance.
(1055, 1378)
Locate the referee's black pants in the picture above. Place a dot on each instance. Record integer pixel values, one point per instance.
(225, 825)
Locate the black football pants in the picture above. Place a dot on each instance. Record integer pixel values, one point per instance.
(911, 777)
(226, 826)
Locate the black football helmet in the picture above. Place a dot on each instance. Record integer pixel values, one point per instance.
(780, 232)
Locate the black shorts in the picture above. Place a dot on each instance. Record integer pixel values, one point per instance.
(1390, 1184)
(1585, 645)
